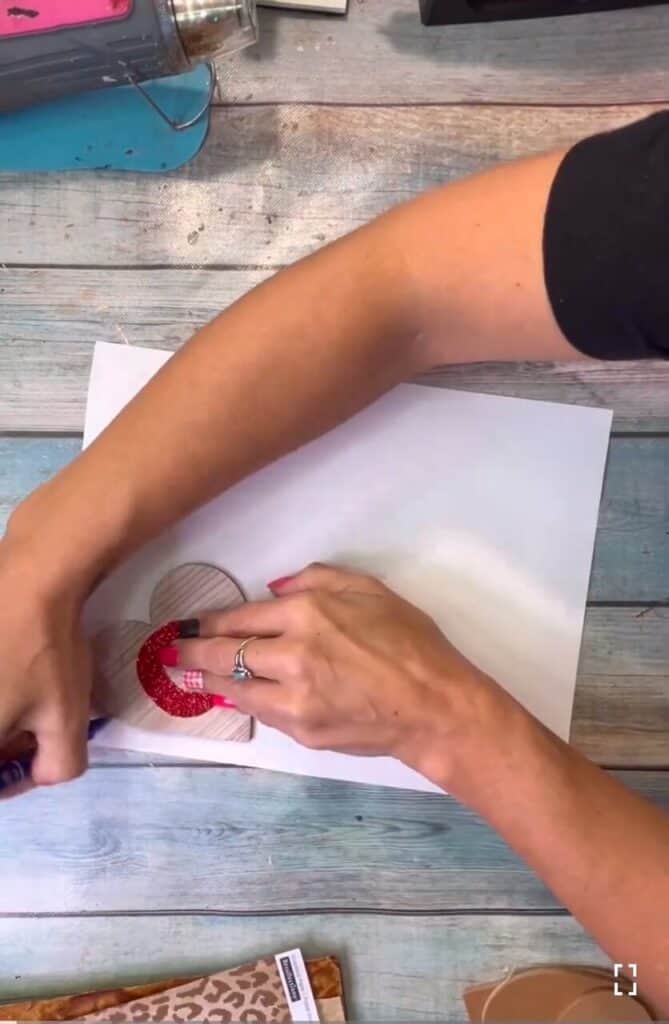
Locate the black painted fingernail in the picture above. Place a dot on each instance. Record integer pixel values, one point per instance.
(189, 628)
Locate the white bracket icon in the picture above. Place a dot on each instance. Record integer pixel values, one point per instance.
(617, 971)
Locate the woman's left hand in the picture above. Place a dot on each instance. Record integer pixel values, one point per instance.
(342, 663)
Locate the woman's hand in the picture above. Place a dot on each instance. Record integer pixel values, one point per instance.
(45, 683)
(342, 663)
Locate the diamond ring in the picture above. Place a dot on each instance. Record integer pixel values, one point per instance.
(240, 670)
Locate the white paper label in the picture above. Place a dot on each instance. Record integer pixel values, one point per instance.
(296, 985)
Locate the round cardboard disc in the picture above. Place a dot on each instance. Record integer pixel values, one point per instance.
(603, 1006)
(537, 995)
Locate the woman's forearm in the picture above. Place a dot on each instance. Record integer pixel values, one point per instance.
(288, 361)
(600, 848)
(454, 276)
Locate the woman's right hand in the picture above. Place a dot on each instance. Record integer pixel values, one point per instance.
(45, 681)
(342, 663)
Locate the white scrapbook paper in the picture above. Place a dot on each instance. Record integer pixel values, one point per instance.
(482, 510)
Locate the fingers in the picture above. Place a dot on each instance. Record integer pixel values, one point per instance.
(16, 748)
(277, 663)
(288, 709)
(273, 618)
(268, 658)
(18, 789)
(52, 746)
(265, 618)
(259, 698)
(318, 576)
(16, 745)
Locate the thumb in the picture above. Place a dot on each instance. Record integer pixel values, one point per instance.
(61, 754)
(319, 576)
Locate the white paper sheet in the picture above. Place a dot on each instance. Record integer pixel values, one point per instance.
(481, 510)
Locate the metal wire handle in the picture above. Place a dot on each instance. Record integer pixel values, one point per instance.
(131, 79)
(178, 126)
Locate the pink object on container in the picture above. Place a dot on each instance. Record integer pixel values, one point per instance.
(18, 17)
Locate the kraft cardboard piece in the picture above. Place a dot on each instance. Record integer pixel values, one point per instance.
(76, 1007)
(475, 998)
(602, 1005)
(324, 974)
(536, 995)
(254, 991)
(244, 992)
(545, 993)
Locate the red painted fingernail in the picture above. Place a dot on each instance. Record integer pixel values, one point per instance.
(222, 702)
(281, 582)
(169, 656)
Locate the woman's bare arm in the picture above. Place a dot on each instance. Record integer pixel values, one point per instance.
(600, 848)
(455, 276)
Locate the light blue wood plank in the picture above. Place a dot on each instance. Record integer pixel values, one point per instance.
(51, 317)
(395, 968)
(25, 463)
(236, 840)
(632, 551)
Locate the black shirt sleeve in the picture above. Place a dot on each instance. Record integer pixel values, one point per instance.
(606, 242)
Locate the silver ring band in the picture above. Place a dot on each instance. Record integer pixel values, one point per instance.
(240, 670)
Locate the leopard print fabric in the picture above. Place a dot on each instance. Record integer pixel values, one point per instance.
(252, 993)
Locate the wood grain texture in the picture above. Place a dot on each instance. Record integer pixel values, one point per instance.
(50, 319)
(273, 183)
(621, 710)
(237, 840)
(381, 53)
(125, 662)
(395, 968)
(632, 549)
(25, 463)
(631, 553)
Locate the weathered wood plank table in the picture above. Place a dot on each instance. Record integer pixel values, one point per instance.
(143, 869)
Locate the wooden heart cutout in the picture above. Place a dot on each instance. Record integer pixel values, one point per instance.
(130, 683)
